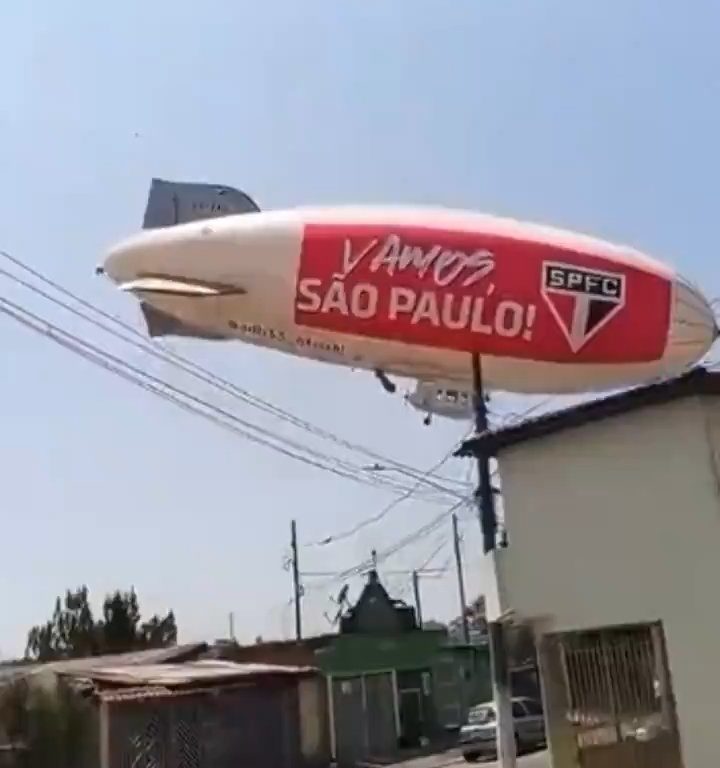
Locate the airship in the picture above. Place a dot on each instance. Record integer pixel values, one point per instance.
(416, 292)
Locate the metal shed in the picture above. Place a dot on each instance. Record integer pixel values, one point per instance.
(211, 714)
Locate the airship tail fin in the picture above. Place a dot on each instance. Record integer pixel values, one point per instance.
(161, 324)
(179, 202)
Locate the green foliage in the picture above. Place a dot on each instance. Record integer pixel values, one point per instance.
(73, 632)
(14, 698)
(50, 727)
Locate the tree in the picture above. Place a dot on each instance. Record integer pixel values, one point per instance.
(72, 632)
(476, 621)
(434, 624)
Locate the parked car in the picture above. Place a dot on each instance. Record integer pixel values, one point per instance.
(478, 735)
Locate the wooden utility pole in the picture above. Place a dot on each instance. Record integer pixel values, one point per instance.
(500, 673)
(297, 593)
(416, 591)
(460, 579)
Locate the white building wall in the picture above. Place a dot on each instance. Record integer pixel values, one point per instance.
(619, 522)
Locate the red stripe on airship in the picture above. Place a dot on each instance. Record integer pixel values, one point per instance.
(481, 292)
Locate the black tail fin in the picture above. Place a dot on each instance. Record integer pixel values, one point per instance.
(178, 202)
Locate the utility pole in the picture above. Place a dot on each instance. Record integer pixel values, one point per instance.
(500, 673)
(296, 581)
(460, 579)
(231, 619)
(416, 590)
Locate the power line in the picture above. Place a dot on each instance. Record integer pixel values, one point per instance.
(367, 479)
(418, 534)
(514, 417)
(182, 398)
(426, 479)
(378, 516)
(432, 555)
(187, 365)
(394, 572)
(379, 557)
(176, 395)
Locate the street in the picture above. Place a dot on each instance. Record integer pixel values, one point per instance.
(452, 759)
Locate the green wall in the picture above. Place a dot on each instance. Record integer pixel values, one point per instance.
(350, 655)
(354, 654)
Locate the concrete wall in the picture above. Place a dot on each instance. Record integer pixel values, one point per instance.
(619, 522)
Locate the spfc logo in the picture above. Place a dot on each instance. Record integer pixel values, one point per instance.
(582, 301)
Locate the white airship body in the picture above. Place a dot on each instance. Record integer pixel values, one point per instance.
(413, 292)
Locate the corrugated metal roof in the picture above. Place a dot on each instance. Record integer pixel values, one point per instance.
(175, 675)
(137, 694)
(133, 658)
(79, 666)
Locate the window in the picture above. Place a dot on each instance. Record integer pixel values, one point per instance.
(518, 709)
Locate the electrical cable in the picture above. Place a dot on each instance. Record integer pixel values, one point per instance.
(170, 392)
(425, 530)
(185, 364)
(156, 386)
(378, 516)
(433, 554)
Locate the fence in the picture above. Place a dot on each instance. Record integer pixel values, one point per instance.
(617, 698)
(216, 728)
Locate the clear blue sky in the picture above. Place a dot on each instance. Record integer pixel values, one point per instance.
(600, 116)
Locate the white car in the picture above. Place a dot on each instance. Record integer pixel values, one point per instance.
(478, 735)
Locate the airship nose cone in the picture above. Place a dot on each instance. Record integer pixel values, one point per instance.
(142, 253)
(179, 250)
